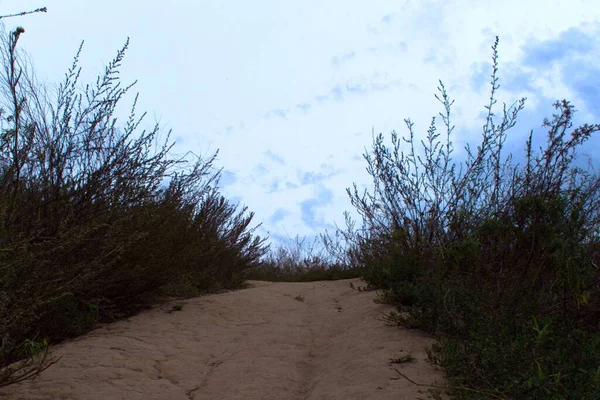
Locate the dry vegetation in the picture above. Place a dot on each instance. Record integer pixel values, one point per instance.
(497, 259)
(99, 220)
(298, 261)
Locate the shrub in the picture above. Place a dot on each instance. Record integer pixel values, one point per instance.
(497, 258)
(97, 218)
(297, 261)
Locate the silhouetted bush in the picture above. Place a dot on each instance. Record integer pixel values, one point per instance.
(495, 257)
(298, 261)
(97, 217)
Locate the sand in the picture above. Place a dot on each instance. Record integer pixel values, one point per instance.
(317, 340)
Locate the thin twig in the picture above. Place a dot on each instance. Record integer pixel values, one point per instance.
(42, 9)
(43, 365)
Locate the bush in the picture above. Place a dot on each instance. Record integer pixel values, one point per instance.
(497, 258)
(96, 220)
(296, 261)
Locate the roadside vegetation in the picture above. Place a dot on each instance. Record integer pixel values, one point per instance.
(98, 219)
(496, 254)
(298, 261)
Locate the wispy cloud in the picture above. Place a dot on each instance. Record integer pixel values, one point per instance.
(584, 80)
(354, 86)
(309, 207)
(260, 169)
(274, 157)
(227, 179)
(304, 107)
(387, 19)
(573, 41)
(277, 112)
(391, 49)
(337, 61)
(310, 177)
(337, 92)
(576, 54)
(518, 79)
(279, 215)
(360, 85)
(480, 75)
(274, 186)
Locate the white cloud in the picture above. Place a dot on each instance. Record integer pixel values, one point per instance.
(213, 70)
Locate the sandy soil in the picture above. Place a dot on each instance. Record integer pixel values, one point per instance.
(317, 340)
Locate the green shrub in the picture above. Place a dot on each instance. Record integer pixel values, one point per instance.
(497, 258)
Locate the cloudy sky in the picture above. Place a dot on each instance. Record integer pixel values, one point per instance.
(290, 91)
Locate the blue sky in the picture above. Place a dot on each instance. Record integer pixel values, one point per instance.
(290, 91)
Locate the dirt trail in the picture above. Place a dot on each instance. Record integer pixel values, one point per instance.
(317, 340)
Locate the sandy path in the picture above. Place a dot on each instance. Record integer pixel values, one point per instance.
(257, 343)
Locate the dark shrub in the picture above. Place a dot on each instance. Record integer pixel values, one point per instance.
(97, 218)
(497, 258)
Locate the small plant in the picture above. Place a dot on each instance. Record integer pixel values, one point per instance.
(36, 361)
(32, 348)
(176, 307)
(402, 359)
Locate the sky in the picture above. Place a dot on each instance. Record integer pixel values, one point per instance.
(290, 92)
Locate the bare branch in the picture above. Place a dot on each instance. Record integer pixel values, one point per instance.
(37, 10)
